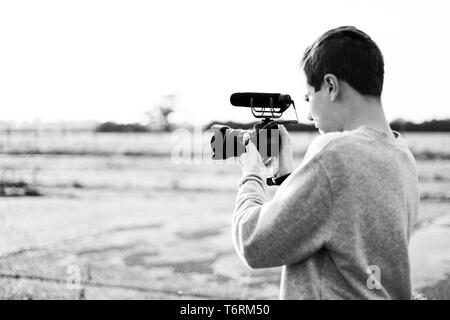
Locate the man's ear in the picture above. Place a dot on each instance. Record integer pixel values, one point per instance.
(332, 86)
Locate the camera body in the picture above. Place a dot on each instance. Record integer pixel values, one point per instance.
(228, 142)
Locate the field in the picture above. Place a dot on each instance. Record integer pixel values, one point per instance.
(147, 216)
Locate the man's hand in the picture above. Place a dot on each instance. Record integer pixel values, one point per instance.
(251, 161)
(284, 163)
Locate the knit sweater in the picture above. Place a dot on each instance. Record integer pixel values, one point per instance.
(340, 223)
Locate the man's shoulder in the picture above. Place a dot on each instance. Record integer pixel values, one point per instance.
(338, 146)
(320, 142)
(323, 142)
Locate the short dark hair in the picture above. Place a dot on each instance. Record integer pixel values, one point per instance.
(349, 54)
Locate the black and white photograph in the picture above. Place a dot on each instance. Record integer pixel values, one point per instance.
(244, 151)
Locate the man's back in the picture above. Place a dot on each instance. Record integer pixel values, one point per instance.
(339, 223)
(373, 181)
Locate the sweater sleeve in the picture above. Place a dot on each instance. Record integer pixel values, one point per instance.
(290, 227)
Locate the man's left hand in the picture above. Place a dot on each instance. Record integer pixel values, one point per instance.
(251, 161)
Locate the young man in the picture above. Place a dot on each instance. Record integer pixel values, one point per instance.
(340, 223)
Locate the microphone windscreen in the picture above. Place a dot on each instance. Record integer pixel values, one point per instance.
(242, 99)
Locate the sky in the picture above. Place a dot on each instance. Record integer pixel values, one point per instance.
(115, 60)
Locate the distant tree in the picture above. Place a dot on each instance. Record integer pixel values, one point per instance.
(427, 126)
(118, 127)
(158, 116)
(249, 125)
(397, 125)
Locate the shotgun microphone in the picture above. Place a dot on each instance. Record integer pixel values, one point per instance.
(263, 100)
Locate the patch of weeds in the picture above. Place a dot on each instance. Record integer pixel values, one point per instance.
(77, 185)
(13, 187)
(32, 192)
(18, 189)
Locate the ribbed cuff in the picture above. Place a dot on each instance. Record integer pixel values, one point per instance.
(251, 176)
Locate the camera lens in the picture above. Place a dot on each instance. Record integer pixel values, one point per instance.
(226, 142)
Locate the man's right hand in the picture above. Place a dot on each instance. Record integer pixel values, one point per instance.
(285, 162)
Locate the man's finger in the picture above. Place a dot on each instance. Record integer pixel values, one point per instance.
(283, 130)
(284, 134)
(246, 138)
(250, 146)
(268, 162)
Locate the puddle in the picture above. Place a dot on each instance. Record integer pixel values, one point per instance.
(430, 256)
(136, 227)
(441, 290)
(204, 266)
(139, 258)
(104, 249)
(199, 234)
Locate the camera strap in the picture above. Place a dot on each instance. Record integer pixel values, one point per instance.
(272, 181)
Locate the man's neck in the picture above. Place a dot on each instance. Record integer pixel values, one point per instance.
(367, 113)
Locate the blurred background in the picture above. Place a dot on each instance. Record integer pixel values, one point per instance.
(98, 98)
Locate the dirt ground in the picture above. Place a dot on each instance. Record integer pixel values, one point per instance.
(117, 214)
(139, 228)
